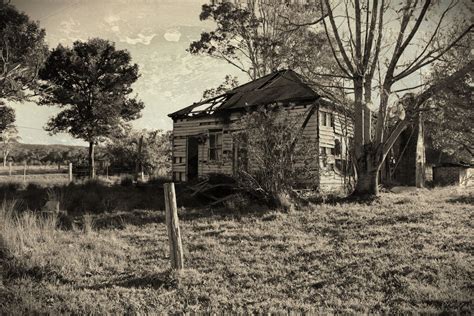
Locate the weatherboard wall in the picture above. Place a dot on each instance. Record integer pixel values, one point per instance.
(323, 136)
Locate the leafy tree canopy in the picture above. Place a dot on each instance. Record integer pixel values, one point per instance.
(22, 52)
(7, 117)
(259, 37)
(449, 123)
(91, 82)
(228, 84)
(150, 149)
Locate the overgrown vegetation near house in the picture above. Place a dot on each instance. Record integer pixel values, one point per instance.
(406, 252)
(94, 196)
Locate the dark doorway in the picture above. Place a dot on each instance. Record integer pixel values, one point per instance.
(192, 156)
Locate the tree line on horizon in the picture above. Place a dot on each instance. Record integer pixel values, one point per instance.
(117, 156)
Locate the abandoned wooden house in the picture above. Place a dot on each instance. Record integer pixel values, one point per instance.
(203, 141)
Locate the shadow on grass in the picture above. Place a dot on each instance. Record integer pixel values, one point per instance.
(121, 220)
(116, 205)
(464, 199)
(13, 269)
(146, 217)
(337, 199)
(94, 197)
(163, 280)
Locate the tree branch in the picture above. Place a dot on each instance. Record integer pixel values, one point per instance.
(338, 38)
(421, 63)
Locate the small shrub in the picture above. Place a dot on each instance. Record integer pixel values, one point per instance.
(237, 203)
(12, 187)
(87, 224)
(126, 181)
(274, 156)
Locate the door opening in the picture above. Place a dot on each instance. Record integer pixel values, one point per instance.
(192, 158)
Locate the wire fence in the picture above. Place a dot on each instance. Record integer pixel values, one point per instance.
(64, 173)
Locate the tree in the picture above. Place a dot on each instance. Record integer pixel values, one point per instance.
(449, 120)
(7, 117)
(8, 131)
(228, 84)
(147, 151)
(362, 46)
(8, 137)
(258, 38)
(22, 52)
(91, 82)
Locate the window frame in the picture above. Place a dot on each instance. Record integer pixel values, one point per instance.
(325, 119)
(214, 153)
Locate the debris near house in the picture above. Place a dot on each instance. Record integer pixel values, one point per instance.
(214, 190)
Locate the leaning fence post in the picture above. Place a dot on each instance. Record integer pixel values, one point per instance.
(70, 172)
(172, 226)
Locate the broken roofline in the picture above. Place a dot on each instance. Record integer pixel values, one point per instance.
(188, 112)
(213, 109)
(280, 87)
(212, 102)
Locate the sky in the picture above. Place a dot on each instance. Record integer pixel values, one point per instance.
(155, 32)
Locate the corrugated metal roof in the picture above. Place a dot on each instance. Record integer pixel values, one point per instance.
(280, 86)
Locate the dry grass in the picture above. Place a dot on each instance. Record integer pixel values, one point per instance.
(403, 252)
(44, 180)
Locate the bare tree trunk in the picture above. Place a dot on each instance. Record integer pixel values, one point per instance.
(4, 159)
(420, 154)
(91, 161)
(359, 130)
(139, 162)
(367, 183)
(367, 159)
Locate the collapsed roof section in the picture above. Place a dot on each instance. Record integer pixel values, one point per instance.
(280, 86)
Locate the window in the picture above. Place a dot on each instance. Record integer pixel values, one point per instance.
(322, 119)
(326, 151)
(326, 156)
(329, 119)
(325, 119)
(215, 145)
(338, 147)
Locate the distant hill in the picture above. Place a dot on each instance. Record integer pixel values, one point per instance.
(46, 154)
(48, 146)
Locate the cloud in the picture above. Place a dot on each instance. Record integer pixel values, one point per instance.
(70, 28)
(112, 19)
(172, 35)
(140, 39)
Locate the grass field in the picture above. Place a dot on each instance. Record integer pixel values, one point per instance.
(410, 251)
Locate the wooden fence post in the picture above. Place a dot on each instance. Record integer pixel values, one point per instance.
(172, 226)
(24, 172)
(10, 168)
(70, 172)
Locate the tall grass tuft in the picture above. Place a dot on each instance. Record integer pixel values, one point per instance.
(21, 232)
(87, 223)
